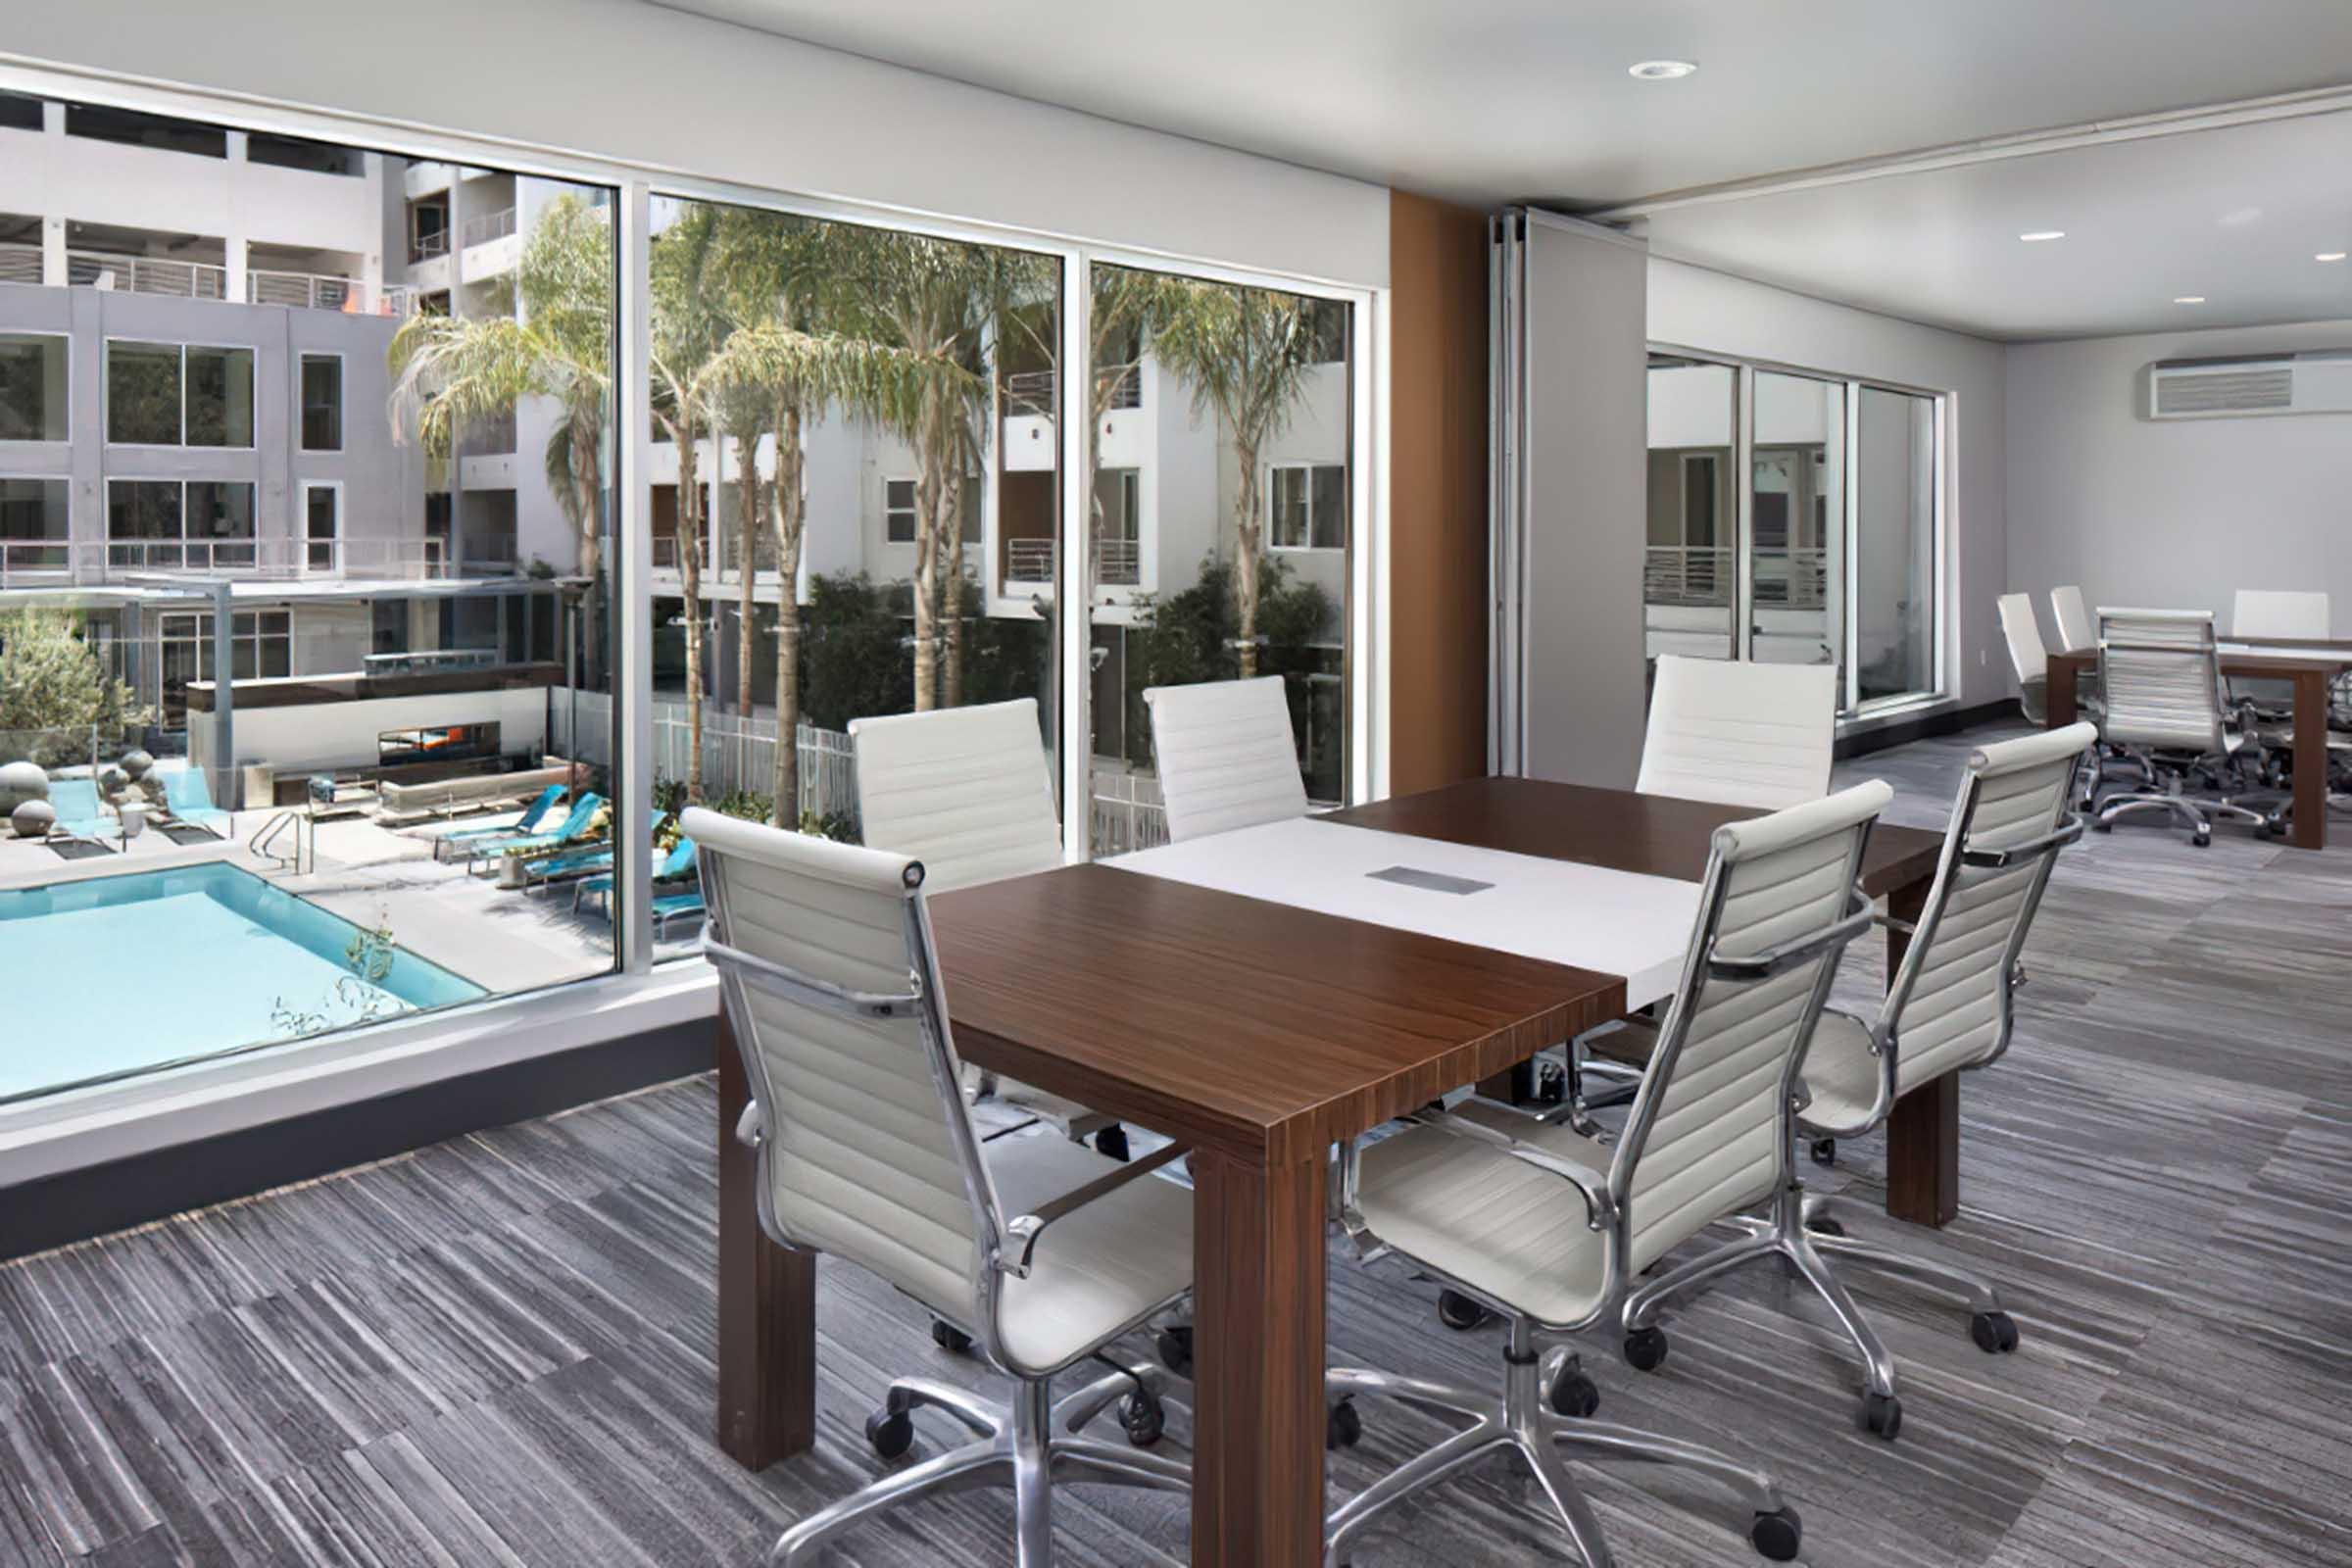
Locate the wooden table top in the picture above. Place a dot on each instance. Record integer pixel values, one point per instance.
(1651, 835)
(1253, 1028)
(2245, 663)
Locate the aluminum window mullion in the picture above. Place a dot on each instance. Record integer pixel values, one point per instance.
(1073, 620)
(1849, 639)
(1743, 514)
(629, 609)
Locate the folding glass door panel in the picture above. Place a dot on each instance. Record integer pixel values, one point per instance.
(1690, 573)
(1796, 525)
(1893, 593)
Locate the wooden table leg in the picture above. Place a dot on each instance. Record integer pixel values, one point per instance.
(2058, 700)
(1923, 1135)
(766, 1302)
(2311, 761)
(1258, 1363)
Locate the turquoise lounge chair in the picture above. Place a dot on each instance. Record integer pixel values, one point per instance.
(522, 827)
(678, 863)
(676, 906)
(572, 827)
(579, 862)
(189, 798)
(79, 812)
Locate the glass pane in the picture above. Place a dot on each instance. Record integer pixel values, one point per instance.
(220, 397)
(1689, 576)
(864, 504)
(321, 403)
(33, 387)
(1797, 520)
(142, 522)
(1228, 404)
(1895, 546)
(142, 393)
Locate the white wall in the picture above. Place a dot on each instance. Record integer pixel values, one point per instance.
(2181, 513)
(1693, 308)
(626, 80)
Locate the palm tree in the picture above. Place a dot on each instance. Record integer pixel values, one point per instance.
(1245, 353)
(449, 371)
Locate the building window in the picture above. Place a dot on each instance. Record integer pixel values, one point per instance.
(33, 387)
(261, 644)
(321, 403)
(20, 113)
(293, 152)
(897, 510)
(220, 397)
(142, 394)
(34, 525)
(198, 524)
(428, 230)
(1307, 505)
(1325, 322)
(321, 524)
(136, 129)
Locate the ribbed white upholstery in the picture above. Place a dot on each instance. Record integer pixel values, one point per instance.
(1713, 1140)
(1226, 756)
(1949, 1006)
(963, 790)
(2027, 655)
(2162, 679)
(2074, 629)
(2268, 612)
(864, 1129)
(1739, 734)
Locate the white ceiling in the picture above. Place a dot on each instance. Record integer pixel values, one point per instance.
(2235, 215)
(1488, 101)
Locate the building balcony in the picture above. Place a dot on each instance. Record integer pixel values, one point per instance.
(48, 564)
(1031, 563)
(318, 291)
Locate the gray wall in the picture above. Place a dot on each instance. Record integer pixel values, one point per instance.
(2176, 514)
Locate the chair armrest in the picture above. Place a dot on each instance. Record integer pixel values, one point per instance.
(1027, 1228)
(1891, 923)
(1600, 1209)
(1772, 960)
(751, 1128)
(2058, 837)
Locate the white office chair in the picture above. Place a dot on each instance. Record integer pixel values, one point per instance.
(2027, 655)
(2161, 672)
(866, 1151)
(1547, 1225)
(966, 792)
(1947, 1010)
(2263, 612)
(2076, 630)
(1739, 734)
(1226, 756)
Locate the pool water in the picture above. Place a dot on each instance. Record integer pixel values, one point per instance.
(119, 974)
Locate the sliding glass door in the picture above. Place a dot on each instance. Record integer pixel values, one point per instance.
(1793, 519)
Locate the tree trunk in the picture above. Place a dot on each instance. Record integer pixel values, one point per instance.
(748, 499)
(690, 586)
(1248, 556)
(951, 593)
(588, 495)
(784, 514)
(926, 558)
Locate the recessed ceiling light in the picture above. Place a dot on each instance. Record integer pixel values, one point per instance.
(1662, 70)
(2037, 236)
(2188, 298)
(2329, 256)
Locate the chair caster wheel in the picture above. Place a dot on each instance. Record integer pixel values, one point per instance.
(1573, 1392)
(1826, 1226)
(891, 1432)
(2203, 839)
(1645, 1348)
(2100, 825)
(1459, 1312)
(1112, 1144)
(1779, 1536)
(1144, 1417)
(1175, 1346)
(1882, 1415)
(1342, 1426)
(1825, 1151)
(1993, 1332)
(951, 1338)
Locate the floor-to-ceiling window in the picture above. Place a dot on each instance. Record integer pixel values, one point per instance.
(1792, 518)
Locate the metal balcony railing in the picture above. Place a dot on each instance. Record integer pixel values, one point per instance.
(20, 264)
(147, 275)
(483, 228)
(319, 291)
(32, 563)
(1118, 562)
(1031, 392)
(425, 247)
(1705, 576)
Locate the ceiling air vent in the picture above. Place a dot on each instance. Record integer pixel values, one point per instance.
(2205, 389)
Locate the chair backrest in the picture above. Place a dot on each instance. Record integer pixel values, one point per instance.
(2074, 630)
(678, 861)
(965, 790)
(185, 789)
(1226, 756)
(74, 800)
(2161, 675)
(539, 809)
(1710, 1126)
(582, 813)
(2269, 613)
(1739, 734)
(1949, 1006)
(2027, 655)
(831, 986)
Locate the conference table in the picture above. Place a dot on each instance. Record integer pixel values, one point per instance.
(1258, 997)
(2308, 666)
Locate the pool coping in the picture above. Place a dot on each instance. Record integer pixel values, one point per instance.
(124, 864)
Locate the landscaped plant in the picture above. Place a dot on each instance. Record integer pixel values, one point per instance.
(356, 997)
(53, 686)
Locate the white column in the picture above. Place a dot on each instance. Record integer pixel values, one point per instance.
(233, 232)
(631, 607)
(53, 252)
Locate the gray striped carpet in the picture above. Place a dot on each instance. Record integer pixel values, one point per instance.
(497, 1350)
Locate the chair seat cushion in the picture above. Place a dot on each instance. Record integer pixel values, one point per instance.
(1508, 1231)
(1098, 1268)
(1842, 1076)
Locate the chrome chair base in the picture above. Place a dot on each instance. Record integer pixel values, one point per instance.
(1801, 1231)
(1523, 1423)
(2195, 815)
(1029, 1447)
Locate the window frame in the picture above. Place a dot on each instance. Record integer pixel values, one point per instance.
(1309, 468)
(8, 546)
(67, 340)
(210, 542)
(107, 400)
(309, 542)
(912, 511)
(302, 407)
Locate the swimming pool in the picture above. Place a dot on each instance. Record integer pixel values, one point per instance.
(104, 976)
